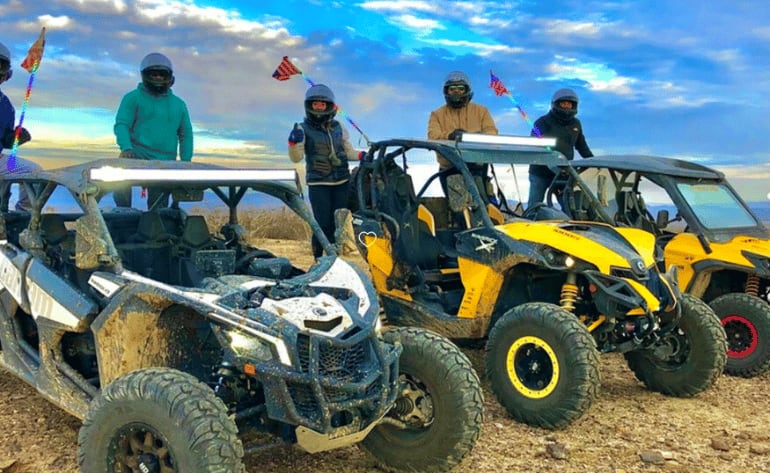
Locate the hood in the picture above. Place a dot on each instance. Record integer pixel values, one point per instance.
(603, 246)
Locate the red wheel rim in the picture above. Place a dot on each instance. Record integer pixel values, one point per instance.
(742, 336)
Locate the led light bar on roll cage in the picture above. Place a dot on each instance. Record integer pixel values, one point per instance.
(507, 140)
(114, 174)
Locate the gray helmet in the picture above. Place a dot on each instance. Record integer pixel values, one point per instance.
(157, 73)
(322, 93)
(5, 63)
(562, 95)
(457, 100)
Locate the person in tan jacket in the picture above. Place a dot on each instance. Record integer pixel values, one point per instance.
(448, 122)
(459, 115)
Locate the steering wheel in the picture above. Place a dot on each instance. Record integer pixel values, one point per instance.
(531, 211)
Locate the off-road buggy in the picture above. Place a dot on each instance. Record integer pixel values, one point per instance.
(178, 344)
(548, 296)
(721, 249)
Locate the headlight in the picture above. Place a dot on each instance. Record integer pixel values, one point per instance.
(555, 259)
(247, 346)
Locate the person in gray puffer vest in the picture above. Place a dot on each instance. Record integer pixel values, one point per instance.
(325, 145)
(560, 123)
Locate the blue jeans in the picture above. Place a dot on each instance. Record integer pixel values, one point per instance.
(538, 186)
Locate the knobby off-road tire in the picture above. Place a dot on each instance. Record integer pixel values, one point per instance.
(746, 320)
(159, 420)
(698, 358)
(441, 403)
(543, 365)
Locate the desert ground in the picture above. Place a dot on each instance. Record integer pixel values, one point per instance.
(628, 429)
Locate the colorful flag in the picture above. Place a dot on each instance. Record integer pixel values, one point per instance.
(35, 54)
(497, 85)
(285, 69)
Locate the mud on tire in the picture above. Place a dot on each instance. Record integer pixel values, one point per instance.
(746, 320)
(441, 403)
(543, 365)
(689, 359)
(158, 419)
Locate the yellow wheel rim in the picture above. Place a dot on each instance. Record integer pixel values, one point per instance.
(532, 367)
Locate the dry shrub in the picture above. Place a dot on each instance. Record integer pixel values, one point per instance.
(271, 223)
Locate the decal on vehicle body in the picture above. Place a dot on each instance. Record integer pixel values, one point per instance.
(43, 305)
(485, 243)
(10, 277)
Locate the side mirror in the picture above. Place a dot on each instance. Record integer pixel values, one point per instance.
(661, 220)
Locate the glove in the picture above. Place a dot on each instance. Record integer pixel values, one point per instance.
(322, 167)
(456, 135)
(297, 135)
(24, 136)
(127, 154)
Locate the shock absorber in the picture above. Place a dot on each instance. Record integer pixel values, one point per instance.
(569, 293)
(752, 285)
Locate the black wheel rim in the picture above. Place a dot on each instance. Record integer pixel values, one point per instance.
(139, 448)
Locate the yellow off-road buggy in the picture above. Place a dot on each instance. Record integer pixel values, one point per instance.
(721, 249)
(547, 296)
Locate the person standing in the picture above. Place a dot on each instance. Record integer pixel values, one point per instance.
(8, 132)
(449, 122)
(325, 146)
(458, 115)
(560, 123)
(152, 123)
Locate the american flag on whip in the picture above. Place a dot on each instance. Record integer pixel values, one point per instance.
(497, 85)
(285, 69)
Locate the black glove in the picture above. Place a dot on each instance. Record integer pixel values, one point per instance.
(127, 154)
(296, 135)
(24, 136)
(322, 167)
(456, 135)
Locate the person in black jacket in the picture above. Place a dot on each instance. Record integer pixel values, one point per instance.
(325, 146)
(560, 123)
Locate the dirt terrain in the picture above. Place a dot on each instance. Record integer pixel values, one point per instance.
(628, 429)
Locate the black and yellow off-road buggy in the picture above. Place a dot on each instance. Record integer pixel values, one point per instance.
(548, 296)
(175, 340)
(721, 249)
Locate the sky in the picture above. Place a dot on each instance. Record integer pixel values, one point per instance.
(679, 78)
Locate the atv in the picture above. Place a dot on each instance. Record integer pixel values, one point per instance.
(721, 249)
(174, 339)
(547, 296)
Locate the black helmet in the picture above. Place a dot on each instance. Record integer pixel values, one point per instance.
(157, 73)
(568, 95)
(5, 63)
(455, 78)
(319, 93)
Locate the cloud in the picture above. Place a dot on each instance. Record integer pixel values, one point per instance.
(422, 25)
(400, 6)
(598, 77)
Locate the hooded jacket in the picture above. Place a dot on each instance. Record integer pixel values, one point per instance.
(154, 127)
(569, 137)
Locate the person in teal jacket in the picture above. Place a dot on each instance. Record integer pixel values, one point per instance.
(152, 123)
